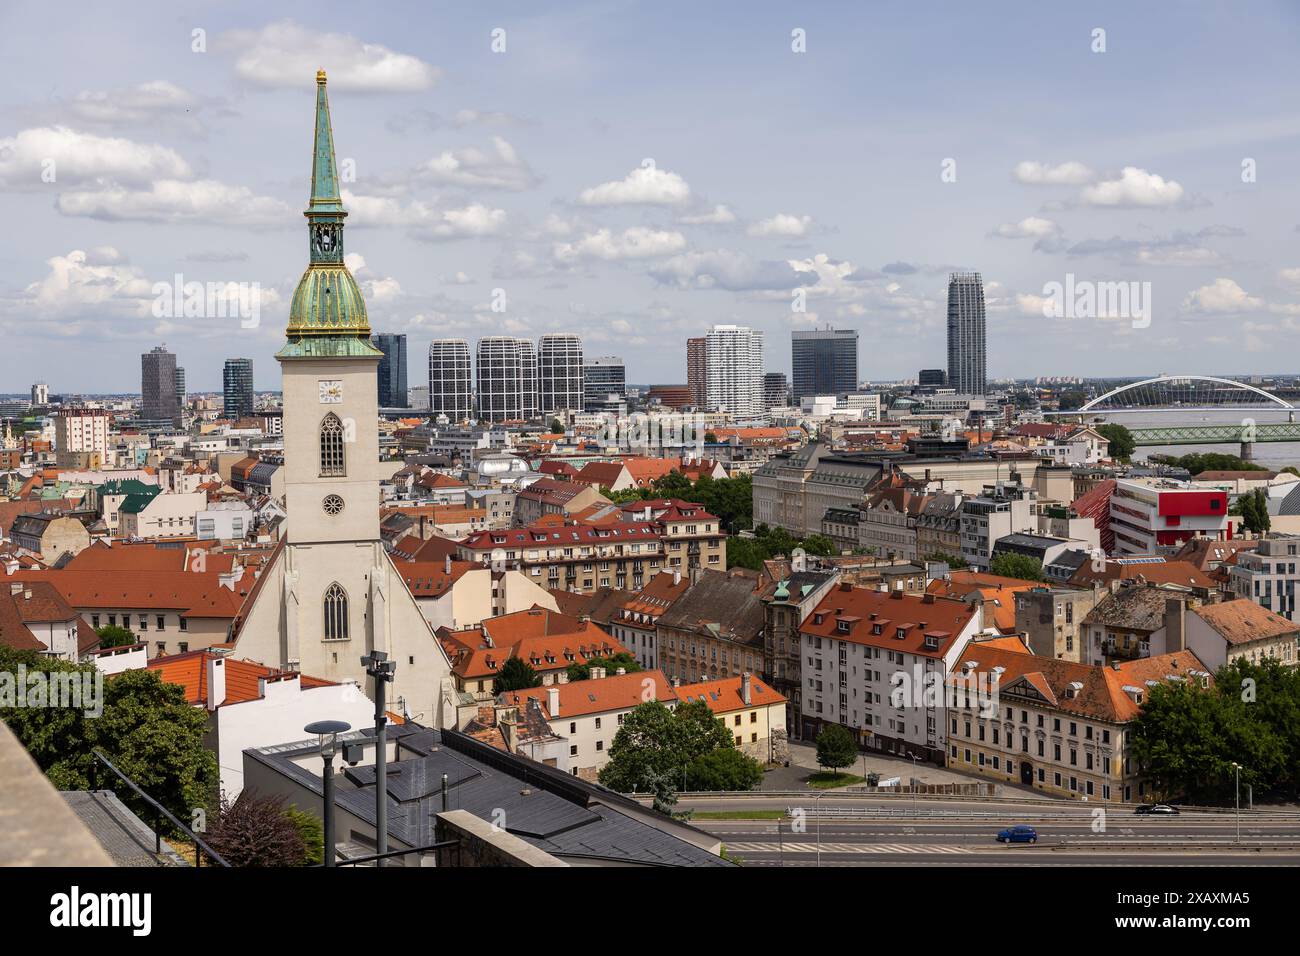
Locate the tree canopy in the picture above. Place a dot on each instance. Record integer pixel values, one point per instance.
(836, 747)
(516, 674)
(611, 664)
(1022, 566)
(1122, 444)
(656, 750)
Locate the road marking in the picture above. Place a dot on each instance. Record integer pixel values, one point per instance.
(865, 848)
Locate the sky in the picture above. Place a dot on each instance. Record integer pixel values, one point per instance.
(636, 172)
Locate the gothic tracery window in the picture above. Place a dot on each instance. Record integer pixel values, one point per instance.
(336, 613)
(331, 447)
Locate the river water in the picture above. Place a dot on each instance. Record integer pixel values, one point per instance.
(1274, 455)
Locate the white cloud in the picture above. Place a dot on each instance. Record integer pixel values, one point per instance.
(727, 269)
(465, 118)
(1222, 296)
(1290, 276)
(143, 102)
(782, 224)
(1134, 187)
(643, 185)
(287, 55)
(1031, 227)
(384, 211)
(170, 200)
(99, 279)
(471, 222)
(720, 215)
(1040, 174)
(500, 168)
(75, 159)
(635, 243)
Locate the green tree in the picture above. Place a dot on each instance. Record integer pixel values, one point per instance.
(819, 544)
(145, 727)
(1254, 511)
(674, 485)
(111, 635)
(255, 831)
(312, 833)
(516, 674)
(835, 747)
(655, 747)
(710, 438)
(1020, 566)
(723, 769)
(955, 562)
(556, 427)
(1122, 443)
(611, 664)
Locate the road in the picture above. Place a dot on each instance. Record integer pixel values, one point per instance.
(950, 833)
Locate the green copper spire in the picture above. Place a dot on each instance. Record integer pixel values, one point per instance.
(327, 316)
(324, 171)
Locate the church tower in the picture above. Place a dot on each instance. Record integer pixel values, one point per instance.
(332, 593)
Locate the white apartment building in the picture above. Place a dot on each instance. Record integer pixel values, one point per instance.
(997, 512)
(82, 430)
(878, 662)
(733, 358)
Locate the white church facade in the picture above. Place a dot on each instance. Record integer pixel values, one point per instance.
(332, 594)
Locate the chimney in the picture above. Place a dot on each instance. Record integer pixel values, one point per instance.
(621, 671)
(677, 578)
(1175, 627)
(447, 566)
(553, 701)
(746, 693)
(216, 674)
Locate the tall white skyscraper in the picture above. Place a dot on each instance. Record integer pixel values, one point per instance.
(506, 376)
(451, 391)
(733, 359)
(559, 373)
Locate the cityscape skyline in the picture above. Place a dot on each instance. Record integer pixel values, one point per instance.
(464, 158)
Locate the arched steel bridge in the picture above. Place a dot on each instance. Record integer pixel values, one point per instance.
(1192, 393)
(1181, 392)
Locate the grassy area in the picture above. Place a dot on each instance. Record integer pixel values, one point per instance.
(738, 815)
(825, 780)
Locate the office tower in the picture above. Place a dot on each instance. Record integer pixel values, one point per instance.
(603, 378)
(696, 379)
(450, 391)
(528, 379)
(500, 377)
(40, 394)
(966, 333)
(776, 392)
(160, 387)
(180, 388)
(932, 378)
(392, 369)
(559, 373)
(825, 362)
(237, 388)
(733, 369)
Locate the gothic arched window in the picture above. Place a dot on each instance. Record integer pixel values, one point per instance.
(336, 613)
(331, 447)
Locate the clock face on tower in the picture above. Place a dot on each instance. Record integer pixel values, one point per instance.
(331, 392)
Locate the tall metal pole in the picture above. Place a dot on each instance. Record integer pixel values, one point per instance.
(380, 669)
(329, 810)
(1237, 768)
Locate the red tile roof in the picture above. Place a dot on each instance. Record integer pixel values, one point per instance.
(581, 698)
(928, 624)
(724, 696)
(545, 639)
(190, 671)
(195, 594)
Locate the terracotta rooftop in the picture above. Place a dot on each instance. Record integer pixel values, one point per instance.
(1243, 621)
(915, 624)
(724, 696)
(580, 698)
(190, 671)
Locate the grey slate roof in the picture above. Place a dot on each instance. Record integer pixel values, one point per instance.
(122, 834)
(720, 599)
(558, 813)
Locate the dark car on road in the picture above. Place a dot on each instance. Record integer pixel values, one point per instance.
(1020, 833)
(1157, 810)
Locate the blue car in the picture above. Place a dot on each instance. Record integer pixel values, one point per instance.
(1018, 834)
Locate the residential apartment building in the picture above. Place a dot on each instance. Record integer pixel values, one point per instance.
(733, 360)
(559, 373)
(589, 713)
(1057, 726)
(635, 624)
(787, 603)
(81, 436)
(1052, 620)
(506, 374)
(713, 630)
(697, 375)
(451, 390)
(753, 713)
(160, 516)
(877, 663)
(996, 512)
(1221, 634)
(889, 520)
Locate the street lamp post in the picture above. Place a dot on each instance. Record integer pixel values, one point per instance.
(380, 669)
(915, 762)
(326, 732)
(1237, 769)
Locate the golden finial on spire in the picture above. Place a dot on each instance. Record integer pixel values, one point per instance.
(320, 77)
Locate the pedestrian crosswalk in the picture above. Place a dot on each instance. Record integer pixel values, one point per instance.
(863, 848)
